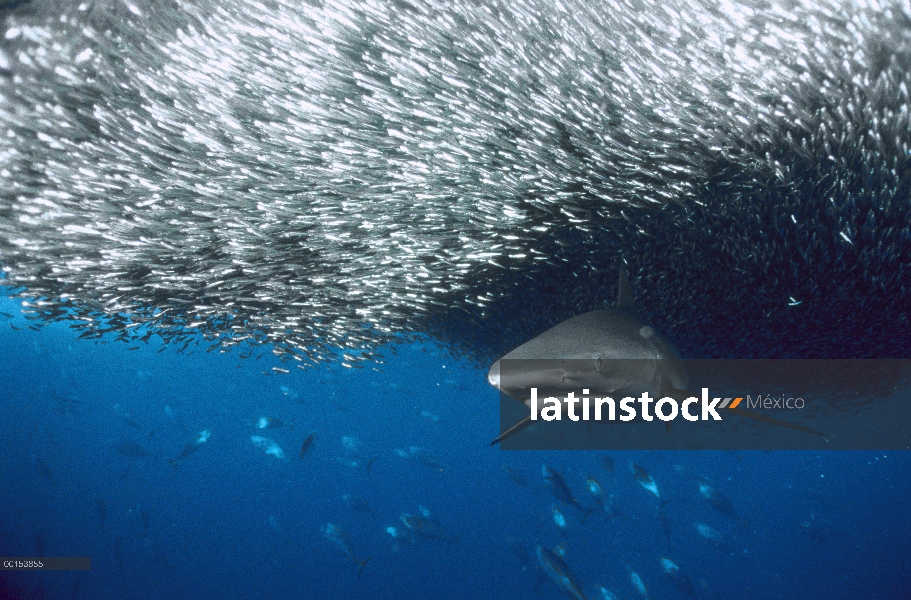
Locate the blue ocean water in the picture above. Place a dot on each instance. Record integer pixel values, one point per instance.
(87, 431)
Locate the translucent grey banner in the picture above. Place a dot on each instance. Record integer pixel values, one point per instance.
(673, 404)
(45, 563)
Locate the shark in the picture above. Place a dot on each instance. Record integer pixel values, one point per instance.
(607, 351)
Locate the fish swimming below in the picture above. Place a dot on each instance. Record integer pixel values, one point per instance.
(424, 526)
(341, 540)
(522, 554)
(306, 445)
(644, 479)
(637, 582)
(559, 519)
(606, 594)
(130, 448)
(560, 573)
(354, 456)
(718, 500)
(358, 504)
(600, 497)
(708, 532)
(270, 423)
(422, 456)
(515, 475)
(268, 446)
(680, 579)
(562, 492)
(192, 446)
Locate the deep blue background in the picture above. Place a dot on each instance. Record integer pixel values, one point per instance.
(232, 522)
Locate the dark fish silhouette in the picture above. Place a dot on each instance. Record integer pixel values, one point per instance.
(665, 521)
(678, 578)
(718, 500)
(308, 441)
(358, 504)
(192, 447)
(521, 552)
(44, 470)
(126, 416)
(340, 539)
(129, 448)
(600, 497)
(562, 492)
(426, 527)
(644, 479)
(146, 520)
(515, 475)
(422, 456)
(560, 573)
(270, 423)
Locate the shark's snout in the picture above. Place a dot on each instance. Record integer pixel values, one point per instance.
(493, 375)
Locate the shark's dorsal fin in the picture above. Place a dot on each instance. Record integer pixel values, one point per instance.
(624, 293)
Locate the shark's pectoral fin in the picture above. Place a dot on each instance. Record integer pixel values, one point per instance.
(681, 395)
(758, 417)
(513, 430)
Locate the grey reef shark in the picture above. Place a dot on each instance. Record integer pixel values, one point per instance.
(608, 351)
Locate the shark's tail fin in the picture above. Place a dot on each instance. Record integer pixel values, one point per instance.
(360, 566)
(624, 292)
(512, 430)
